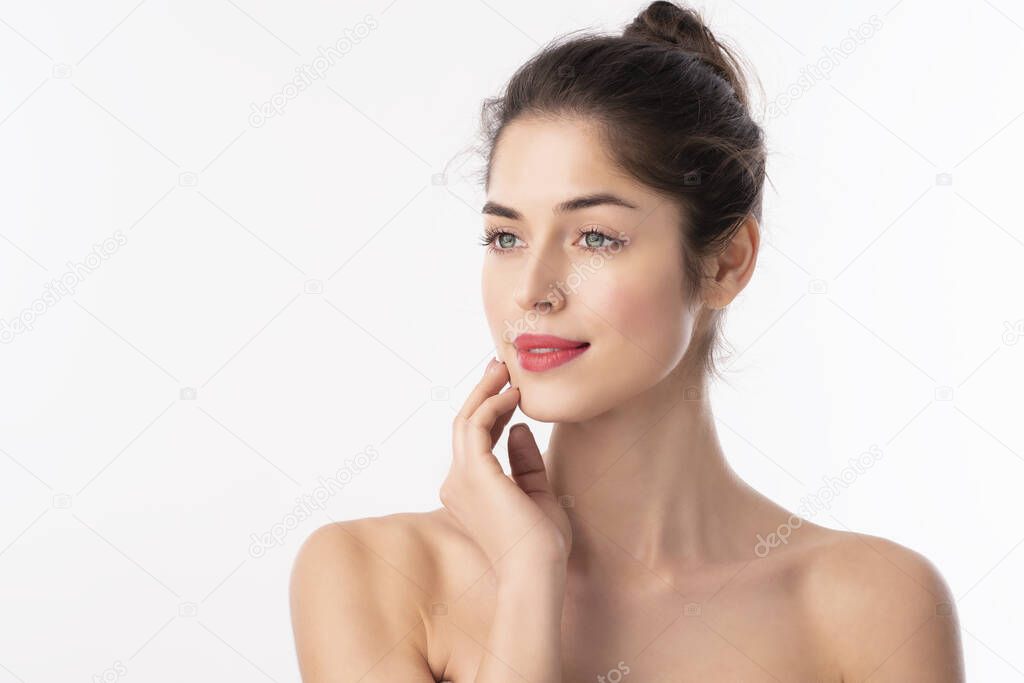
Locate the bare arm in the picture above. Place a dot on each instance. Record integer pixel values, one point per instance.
(519, 525)
(353, 615)
(524, 643)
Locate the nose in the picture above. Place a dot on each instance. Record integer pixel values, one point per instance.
(540, 286)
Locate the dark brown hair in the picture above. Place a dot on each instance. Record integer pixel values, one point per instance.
(671, 106)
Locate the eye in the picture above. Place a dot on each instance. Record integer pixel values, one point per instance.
(595, 240)
(506, 240)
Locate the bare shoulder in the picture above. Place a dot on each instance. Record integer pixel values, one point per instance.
(883, 610)
(360, 593)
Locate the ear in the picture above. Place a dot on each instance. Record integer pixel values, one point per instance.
(731, 270)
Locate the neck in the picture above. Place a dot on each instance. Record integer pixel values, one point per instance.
(650, 477)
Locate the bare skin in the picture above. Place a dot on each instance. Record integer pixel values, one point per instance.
(629, 549)
(408, 597)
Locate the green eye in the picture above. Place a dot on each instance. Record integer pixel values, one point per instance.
(595, 240)
(506, 241)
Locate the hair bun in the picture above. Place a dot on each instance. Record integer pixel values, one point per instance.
(683, 27)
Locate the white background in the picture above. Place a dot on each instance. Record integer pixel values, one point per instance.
(886, 309)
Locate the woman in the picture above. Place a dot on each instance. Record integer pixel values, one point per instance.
(624, 185)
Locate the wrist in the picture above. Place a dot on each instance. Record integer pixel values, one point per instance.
(530, 573)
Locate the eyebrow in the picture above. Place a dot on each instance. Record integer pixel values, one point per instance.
(574, 204)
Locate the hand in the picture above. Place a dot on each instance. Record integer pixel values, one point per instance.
(516, 521)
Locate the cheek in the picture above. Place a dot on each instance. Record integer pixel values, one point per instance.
(489, 288)
(496, 303)
(646, 315)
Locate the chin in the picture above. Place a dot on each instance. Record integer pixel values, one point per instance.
(545, 405)
(581, 391)
(565, 399)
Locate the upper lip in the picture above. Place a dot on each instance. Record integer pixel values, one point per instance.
(525, 342)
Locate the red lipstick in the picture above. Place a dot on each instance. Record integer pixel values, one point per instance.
(540, 352)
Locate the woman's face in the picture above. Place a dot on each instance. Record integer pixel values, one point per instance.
(621, 290)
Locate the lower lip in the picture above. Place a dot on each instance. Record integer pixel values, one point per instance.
(539, 362)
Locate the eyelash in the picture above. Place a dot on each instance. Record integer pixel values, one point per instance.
(487, 240)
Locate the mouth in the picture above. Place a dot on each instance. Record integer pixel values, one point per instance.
(540, 352)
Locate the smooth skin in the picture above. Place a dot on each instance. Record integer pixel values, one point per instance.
(629, 549)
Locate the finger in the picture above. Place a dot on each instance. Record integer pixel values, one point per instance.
(477, 434)
(465, 436)
(525, 461)
(458, 445)
(499, 424)
(495, 377)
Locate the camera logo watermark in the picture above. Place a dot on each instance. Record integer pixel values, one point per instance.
(307, 503)
(63, 286)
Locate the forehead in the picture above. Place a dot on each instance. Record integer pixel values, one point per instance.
(540, 162)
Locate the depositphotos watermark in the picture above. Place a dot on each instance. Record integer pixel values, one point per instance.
(111, 674)
(818, 501)
(60, 287)
(561, 289)
(616, 674)
(822, 68)
(308, 502)
(315, 70)
(1013, 332)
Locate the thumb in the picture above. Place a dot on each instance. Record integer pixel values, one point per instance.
(525, 461)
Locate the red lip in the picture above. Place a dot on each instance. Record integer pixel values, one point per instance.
(525, 342)
(566, 350)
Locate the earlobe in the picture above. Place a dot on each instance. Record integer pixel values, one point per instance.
(713, 300)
